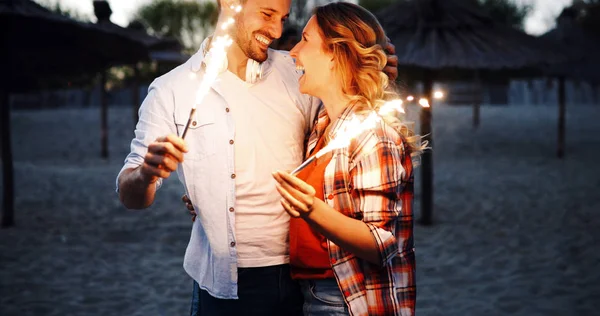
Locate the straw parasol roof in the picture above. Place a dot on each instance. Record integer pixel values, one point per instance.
(454, 39)
(37, 43)
(41, 43)
(455, 35)
(584, 45)
(158, 48)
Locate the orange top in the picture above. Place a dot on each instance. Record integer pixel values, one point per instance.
(309, 254)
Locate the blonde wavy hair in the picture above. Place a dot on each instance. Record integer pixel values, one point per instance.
(356, 40)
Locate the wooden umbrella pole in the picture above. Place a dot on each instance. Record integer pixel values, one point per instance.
(562, 109)
(8, 209)
(427, 156)
(478, 100)
(103, 115)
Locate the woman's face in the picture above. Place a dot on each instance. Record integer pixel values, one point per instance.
(316, 63)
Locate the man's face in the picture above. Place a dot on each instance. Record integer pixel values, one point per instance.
(259, 23)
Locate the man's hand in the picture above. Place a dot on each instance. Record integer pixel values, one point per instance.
(189, 206)
(391, 68)
(164, 154)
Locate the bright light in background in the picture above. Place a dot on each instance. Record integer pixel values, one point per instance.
(542, 17)
(424, 103)
(438, 95)
(410, 98)
(539, 20)
(123, 10)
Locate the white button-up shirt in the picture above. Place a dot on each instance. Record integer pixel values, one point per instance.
(208, 172)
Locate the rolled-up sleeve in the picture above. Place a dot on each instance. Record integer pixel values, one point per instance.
(377, 184)
(156, 118)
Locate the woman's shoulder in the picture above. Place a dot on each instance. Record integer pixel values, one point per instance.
(379, 137)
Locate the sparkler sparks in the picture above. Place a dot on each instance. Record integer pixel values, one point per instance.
(352, 128)
(215, 61)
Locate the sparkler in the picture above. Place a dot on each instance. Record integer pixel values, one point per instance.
(352, 129)
(215, 61)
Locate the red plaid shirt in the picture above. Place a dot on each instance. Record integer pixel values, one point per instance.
(372, 180)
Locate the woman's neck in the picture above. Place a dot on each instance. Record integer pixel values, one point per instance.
(335, 102)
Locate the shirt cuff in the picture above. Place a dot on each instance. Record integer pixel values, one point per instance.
(158, 183)
(386, 242)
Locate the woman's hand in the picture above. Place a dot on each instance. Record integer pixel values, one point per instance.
(298, 197)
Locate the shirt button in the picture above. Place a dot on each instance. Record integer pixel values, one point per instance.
(232, 244)
(233, 176)
(227, 110)
(231, 141)
(194, 123)
(231, 209)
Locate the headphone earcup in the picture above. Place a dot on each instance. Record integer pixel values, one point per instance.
(253, 71)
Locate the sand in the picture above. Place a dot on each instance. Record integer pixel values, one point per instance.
(514, 230)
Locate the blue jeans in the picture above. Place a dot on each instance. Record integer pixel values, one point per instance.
(323, 297)
(262, 291)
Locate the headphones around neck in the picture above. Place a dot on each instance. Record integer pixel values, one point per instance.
(254, 69)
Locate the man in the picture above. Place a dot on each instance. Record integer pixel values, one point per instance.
(242, 131)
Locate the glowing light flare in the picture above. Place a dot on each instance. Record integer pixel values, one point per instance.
(410, 98)
(390, 106)
(215, 62)
(438, 95)
(424, 103)
(352, 128)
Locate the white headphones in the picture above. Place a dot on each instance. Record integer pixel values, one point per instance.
(254, 71)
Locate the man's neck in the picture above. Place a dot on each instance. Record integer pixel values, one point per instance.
(237, 61)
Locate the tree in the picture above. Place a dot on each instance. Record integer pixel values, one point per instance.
(506, 12)
(375, 5)
(68, 12)
(589, 14)
(187, 21)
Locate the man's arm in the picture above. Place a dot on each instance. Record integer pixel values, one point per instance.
(136, 192)
(155, 151)
(391, 68)
(137, 186)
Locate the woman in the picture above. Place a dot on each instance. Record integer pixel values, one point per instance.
(351, 233)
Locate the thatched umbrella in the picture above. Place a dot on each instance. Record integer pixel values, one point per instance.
(166, 50)
(585, 48)
(38, 44)
(450, 39)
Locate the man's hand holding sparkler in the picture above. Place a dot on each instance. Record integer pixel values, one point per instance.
(164, 154)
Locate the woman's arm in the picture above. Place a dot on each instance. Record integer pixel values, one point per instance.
(377, 183)
(350, 234)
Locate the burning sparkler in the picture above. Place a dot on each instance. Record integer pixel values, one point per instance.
(352, 129)
(215, 61)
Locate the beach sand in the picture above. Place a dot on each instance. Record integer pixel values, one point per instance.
(514, 228)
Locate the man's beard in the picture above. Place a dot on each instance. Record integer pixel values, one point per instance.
(246, 43)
